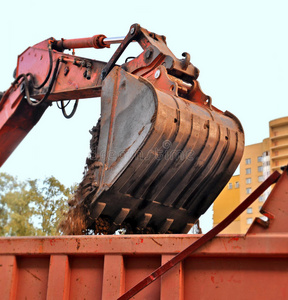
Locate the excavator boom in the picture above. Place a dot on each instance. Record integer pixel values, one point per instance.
(161, 152)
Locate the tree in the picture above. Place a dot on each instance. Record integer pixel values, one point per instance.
(15, 212)
(50, 200)
(31, 207)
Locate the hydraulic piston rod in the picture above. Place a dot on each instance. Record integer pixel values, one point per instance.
(113, 40)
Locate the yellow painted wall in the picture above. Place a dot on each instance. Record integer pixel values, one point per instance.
(252, 159)
(226, 202)
(279, 142)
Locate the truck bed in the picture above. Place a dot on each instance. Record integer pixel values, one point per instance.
(104, 267)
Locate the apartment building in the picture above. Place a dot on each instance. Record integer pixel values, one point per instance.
(258, 162)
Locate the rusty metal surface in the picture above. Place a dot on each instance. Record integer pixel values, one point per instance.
(103, 267)
(17, 119)
(201, 241)
(162, 144)
(268, 245)
(275, 210)
(161, 159)
(71, 81)
(164, 153)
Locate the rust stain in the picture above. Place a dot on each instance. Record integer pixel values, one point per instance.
(140, 241)
(233, 239)
(140, 131)
(119, 157)
(216, 279)
(52, 242)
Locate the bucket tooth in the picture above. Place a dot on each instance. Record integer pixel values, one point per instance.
(121, 216)
(98, 209)
(119, 219)
(144, 220)
(187, 227)
(166, 225)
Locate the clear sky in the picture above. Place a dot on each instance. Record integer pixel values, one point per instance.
(240, 47)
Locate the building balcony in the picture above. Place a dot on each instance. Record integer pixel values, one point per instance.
(279, 157)
(280, 147)
(278, 137)
(277, 168)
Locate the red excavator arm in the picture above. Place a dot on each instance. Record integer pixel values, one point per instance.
(46, 74)
(161, 153)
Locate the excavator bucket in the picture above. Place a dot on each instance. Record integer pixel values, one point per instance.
(161, 160)
(160, 154)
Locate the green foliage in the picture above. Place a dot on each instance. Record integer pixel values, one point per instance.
(31, 207)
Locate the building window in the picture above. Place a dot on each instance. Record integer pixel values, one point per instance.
(230, 186)
(248, 190)
(248, 171)
(264, 218)
(260, 178)
(248, 161)
(237, 185)
(249, 221)
(260, 208)
(248, 180)
(260, 168)
(259, 158)
(261, 198)
(249, 210)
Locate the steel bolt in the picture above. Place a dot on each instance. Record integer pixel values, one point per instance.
(88, 73)
(157, 74)
(132, 30)
(66, 71)
(148, 54)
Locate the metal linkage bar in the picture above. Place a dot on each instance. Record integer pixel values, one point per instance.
(201, 241)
